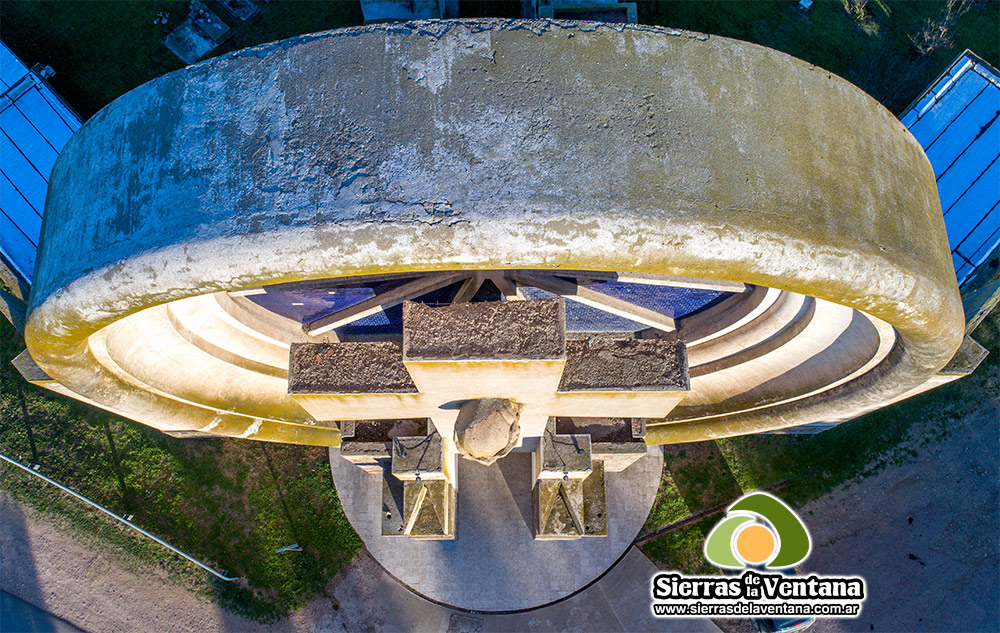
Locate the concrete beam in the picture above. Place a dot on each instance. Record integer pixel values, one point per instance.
(417, 287)
(594, 299)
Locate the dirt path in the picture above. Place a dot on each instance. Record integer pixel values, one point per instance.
(923, 534)
(59, 572)
(77, 581)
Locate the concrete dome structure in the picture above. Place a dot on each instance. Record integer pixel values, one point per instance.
(493, 146)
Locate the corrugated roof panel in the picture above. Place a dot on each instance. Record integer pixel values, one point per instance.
(939, 118)
(957, 121)
(979, 244)
(965, 130)
(28, 139)
(11, 68)
(967, 171)
(978, 235)
(23, 173)
(34, 126)
(52, 119)
(16, 206)
(982, 197)
(16, 244)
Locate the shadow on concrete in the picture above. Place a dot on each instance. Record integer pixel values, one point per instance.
(519, 486)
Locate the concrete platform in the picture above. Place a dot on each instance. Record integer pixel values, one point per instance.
(370, 600)
(495, 564)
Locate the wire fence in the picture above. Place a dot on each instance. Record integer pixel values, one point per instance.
(111, 514)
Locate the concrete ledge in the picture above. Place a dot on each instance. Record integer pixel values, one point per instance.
(29, 370)
(617, 456)
(371, 457)
(613, 363)
(348, 368)
(496, 330)
(966, 359)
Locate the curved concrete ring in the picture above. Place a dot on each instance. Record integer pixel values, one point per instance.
(491, 144)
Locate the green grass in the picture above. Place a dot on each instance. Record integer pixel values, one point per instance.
(816, 464)
(102, 49)
(813, 464)
(230, 503)
(879, 58)
(681, 549)
(99, 50)
(668, 506)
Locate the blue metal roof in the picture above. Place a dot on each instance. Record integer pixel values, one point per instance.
(34, 126)
(956, 122)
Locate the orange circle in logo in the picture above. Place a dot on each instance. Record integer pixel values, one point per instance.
(755, 543)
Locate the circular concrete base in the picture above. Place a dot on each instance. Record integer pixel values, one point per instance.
(494, 564)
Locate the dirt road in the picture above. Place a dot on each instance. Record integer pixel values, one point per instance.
(924, 535)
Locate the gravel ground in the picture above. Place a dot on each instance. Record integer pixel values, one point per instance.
(923, 535)
(64, 574)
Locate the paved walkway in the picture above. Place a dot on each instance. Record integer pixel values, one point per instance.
(618, 602)
(495, 564)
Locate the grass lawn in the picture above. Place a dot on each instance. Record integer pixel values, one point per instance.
(230, 503)
(876, 54)
(101, 49)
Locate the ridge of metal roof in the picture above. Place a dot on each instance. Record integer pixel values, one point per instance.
(35, 124)
(956, 119)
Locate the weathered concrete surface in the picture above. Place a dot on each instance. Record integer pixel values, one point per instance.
(372, 367)
(495, 563)
(405, 147)
(613, 363)
(509, 330)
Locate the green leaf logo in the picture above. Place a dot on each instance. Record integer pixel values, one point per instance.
(759, 529)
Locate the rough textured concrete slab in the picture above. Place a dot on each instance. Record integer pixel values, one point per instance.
(618, 455)
(188, 42)
(595, 503)
(564, 455)
(612, 363)
(373, 367)
(387, 430)
(413, 456)
(504, 330)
